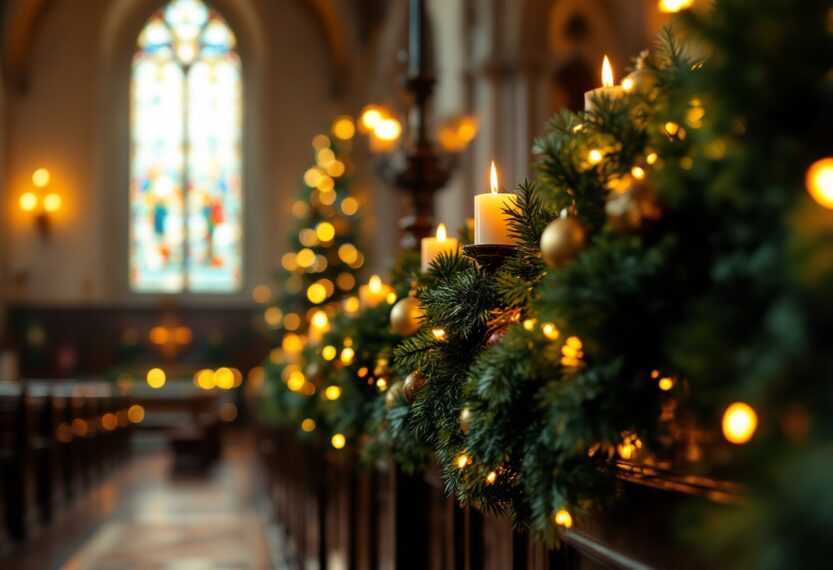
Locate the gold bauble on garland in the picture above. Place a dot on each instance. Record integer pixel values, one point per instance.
(465, 420)
(562, 240)
(642, 79)
(405, 316)
(394, 396)
(412, 386)
(632, 204)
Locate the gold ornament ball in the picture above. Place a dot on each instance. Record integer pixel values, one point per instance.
(633, 204)
(405, 316)
(394, 396)
(562, 240)
(465, 420)
(414, 383)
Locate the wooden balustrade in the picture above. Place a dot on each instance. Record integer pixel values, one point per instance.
(55, 438)
(337, 514)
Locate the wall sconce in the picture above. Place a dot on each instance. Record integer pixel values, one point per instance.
(381, 126)
(41, 203)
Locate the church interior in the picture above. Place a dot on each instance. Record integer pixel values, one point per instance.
(404, 284)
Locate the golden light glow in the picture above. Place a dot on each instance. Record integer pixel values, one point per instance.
(550, 331)
(666, 383)
(638, 172)
(493, 182)
(332, 393)
(291, 322)
(79, 427)
(594, 156)
(347, 355)
(739, 423)
(352, 305)
(336, 169)
(312, 177)
(439, 334)
(52, 202)
(529, 324)
(40, 177)
(320, 321)
(135, 413)
(300, 208)
(370, 117)
(391, 298)
(183, 335)
(325, 157)
(463, 460)
(819, 182)
(329, 352)
(338, 441)
(349, 206)
(375, 284)
(273, 317)
(441, 232)
(325, 231)
(672, 128)
(563, 518)
(316, 293)
(296, 381)
(305, 257)
(308, 425)
(344, 128)
(224, 378)
(156, 378)
(308, 389)
(28, 201)
(228, 412)
(607, 73)
(345, 281)
(205, 379)
(388, 129)
(261, 294)
(320, 141)
(672, 6)
(491, 477)
(348, 253)
(382, 384)
(651, 158)
(109, 421)
(292, 344)
(159, 335)
(628, 84)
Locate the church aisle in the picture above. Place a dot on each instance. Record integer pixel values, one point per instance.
(145, 517)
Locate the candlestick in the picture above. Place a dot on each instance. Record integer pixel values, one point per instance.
(491, 223)
(608, 88)
(432, 247)
(374, 292)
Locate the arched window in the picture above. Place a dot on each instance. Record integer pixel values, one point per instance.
(185, 167)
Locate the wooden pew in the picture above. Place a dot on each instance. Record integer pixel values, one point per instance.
(16, 472)
(40, 418)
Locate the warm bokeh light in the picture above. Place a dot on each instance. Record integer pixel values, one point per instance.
(41, 177)
(320, 321)
(638, 172)
(563, 518)
(205, 379)
(439, 334)
(375, 284)
(261, 294)
(159, 335)
(347, 355)
(296, 381)
(463, 460)
(338, 441)
(135, 413)
(156, 378)
(292, 322)
(52, 203)
(442, 234)
(346, 281)
(273, 317)
(325, 157)
(325, 231)
(370, 117)
(332, 393)
(300, 208)
(308, 425)
(183, 335)
(607, 73)
(491, 477)
(388, 129)
(550, 331)
(672, 6)
(344, 128)
(316, 293)
(224, 378)
(352, 305)
(349, 206)
(739, 423)
(305, 257)
(329, 352)
(292, 344)
(594, 156)
(665, 383)
(348, 253)
(819, 182)
(28, 201)
(109, 421)
(320, 141)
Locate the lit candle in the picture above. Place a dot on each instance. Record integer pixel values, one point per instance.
(374, 292)
(432, 247)
(608, 88)
(491, 224)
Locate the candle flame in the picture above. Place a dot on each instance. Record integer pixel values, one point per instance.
(493, 179)
(441, 233)
(375, 284)
(607, 73)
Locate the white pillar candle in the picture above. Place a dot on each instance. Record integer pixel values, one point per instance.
(374, 292)
(432, 247)
(608, 88)
(491, 224)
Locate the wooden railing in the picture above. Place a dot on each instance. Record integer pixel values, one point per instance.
(337, 514)
(56, 439)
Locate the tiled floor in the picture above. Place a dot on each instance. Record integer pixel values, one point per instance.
(144, 518)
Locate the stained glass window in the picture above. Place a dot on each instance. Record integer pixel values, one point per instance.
(185, 169)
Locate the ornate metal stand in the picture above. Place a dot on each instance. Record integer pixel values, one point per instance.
(490, 257)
